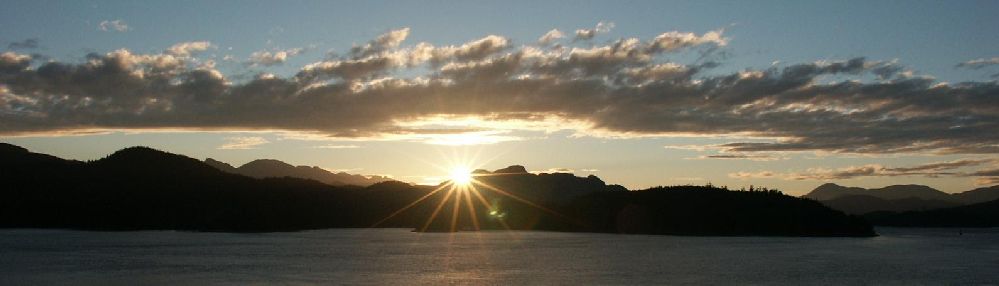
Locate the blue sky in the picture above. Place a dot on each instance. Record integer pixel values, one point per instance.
(921, 39)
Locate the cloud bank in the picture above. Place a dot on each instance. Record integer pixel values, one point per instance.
(622, 88)
(986, 175)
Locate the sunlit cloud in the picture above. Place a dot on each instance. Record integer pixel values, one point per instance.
(930, 170)
(463, 138)
(550, 37)
(555, 170)
(601, 28)
(273, 58)
(489, 89)
(979, 63)
(337, 147)
(186, 49)
(243, 143)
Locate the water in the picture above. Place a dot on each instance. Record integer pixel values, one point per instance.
(397, 256)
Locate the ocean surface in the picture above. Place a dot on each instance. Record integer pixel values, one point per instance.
(400, 257)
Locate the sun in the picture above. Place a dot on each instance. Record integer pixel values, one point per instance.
(461, 176)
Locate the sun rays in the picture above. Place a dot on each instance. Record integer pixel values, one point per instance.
(464, 200)
(460, 176)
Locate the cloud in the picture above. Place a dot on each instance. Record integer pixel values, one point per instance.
(188, 48)
(382, 43)
(941, 166)
(979, 63)
(555, 170)
(754, 175)
(625, 88)
(267, 58)
(601, 28)
(986, 176)
(550, 37)
(115, 25)
(243, 143)
(27, 44)
(337, 147)
(753, 157)
(990, 172)
(932, 170)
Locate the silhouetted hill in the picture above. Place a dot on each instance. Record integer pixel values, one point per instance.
(270, 168)
(896, 198)
(222, 166)
(861, 204)
(143, 188)
(830, 191)
(979, 195)
(975, 215)
(543, 187)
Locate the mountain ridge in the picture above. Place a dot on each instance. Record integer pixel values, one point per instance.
(147, 189)
(273, 168)
(897, 198)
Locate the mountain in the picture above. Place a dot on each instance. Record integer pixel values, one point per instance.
(984, 214)
(830, 191)
(269, 168)
(861, 204)
(979, 195)
(896, 198)
(543, 187)
(140, 188)
(143, 188)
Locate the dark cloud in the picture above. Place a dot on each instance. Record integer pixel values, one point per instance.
(989, 172)
(754, 157)
(27, 44)
(627, 87)
(940, 166)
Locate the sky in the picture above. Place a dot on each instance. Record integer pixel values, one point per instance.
(783, 94)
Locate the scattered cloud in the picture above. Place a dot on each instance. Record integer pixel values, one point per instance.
(26, 44)
(987, 181)
(587, 34)
(555, 170)
(550, 37)
(936, 169)
(186, 49)
(989, 172)
(273, 58)
(753, 157)
(337, 147)
(243, 143)
(624, 88)
(115, 25)
(979, 63)
(754, 175)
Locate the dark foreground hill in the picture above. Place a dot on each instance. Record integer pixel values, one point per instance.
(142, 188)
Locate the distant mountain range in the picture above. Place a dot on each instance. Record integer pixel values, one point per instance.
(142, 188)
(897, 198)
(270, 168)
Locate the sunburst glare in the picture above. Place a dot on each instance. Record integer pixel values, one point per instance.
(460, 175)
